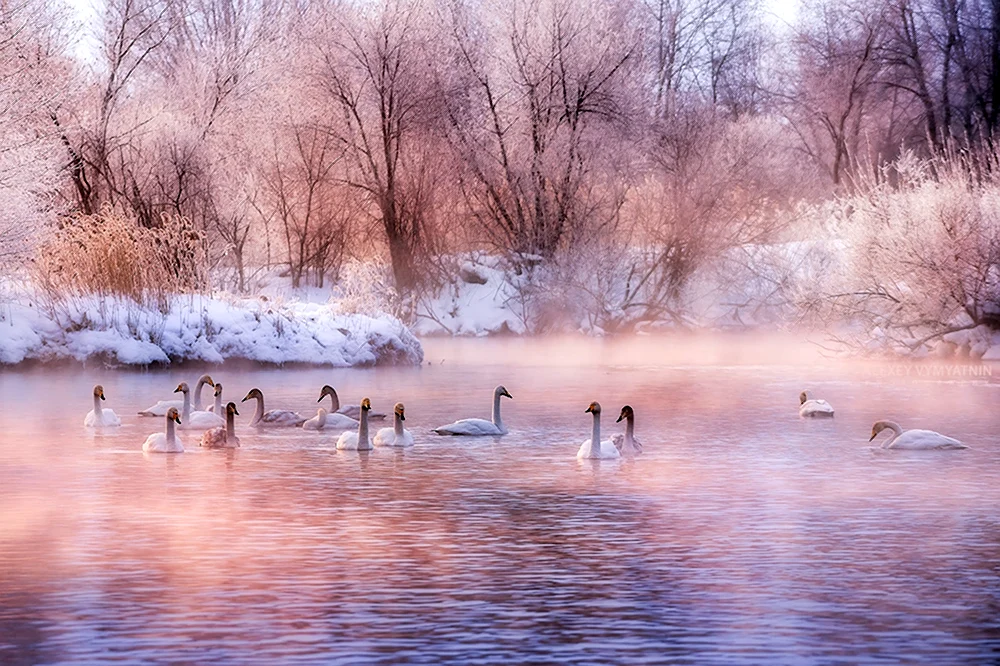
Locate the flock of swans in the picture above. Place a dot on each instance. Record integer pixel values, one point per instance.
(218, 423)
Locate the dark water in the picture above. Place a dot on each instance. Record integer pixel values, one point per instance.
(742, 535)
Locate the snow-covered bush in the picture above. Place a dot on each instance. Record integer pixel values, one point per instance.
(923, 250)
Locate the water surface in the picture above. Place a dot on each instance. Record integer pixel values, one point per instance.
(742, 535)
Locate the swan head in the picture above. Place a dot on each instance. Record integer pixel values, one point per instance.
(99, 392)
(627, 413)
(321, 412)
(231, 408)
(205, 379)
(803, 397)
(254, 393)
(218, 391)
(400, 411)
(879, 426)
(501, 390)
(366, 404)
(182, 388)
(172, 415)
(328, 390)
(595, 408)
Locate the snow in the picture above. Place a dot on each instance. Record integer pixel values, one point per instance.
(202, 328)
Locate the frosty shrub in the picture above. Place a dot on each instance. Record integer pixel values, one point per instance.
(110, 254)
(366, 288)
(924, 246)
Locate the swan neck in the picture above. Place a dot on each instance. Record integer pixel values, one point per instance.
(258, 413)
(496, 410)
(186, 411)
(363, 430)
(630, 429)
(334, 403)
(218, 404)
(197, 395)
(230, 425)
(322, 419)
(397, 426)
(98, 413)
(170, 430)
(595, 435)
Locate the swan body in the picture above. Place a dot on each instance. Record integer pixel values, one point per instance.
(196, 420)
(160, 442)
(346, 416)
(479, 427)
(161, 407)
(357, 440)
(600, 450)
(99, 417)
(914, 440)
(627, 444)
(317, 422)
(396, 435)
(216, 408)
(274, 417)
(223, 438)
(814, 408)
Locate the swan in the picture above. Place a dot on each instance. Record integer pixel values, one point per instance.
(196, 420)
(913, 439)
(594, 447)
(358, 441)
(815, 408)
(346, 416)
(474, 427)
(160, 408)
(223, 438)
(273, 418)
(167, 442)
(99, 417)
(627, 444)
(217, 407)
(396, 435)
(317, 422)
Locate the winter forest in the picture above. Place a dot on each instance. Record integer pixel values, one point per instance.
(179, 178)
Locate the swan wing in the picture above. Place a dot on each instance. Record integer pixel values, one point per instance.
(918, 440)
(607, 451)
(470, 428)
(385, 437)
(202, 420)
(214, 438)
(338, 420)
(161, 408)
(281, 417)
(813, 408)
(354, 412)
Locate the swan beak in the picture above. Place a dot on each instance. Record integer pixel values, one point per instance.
(236, 411)
(177, 390)
(588, 410)
(619, 419)
(177, 419)
(246, 398)
(874, 435)
(321, 396)
(507, 394)
(102, 396)
(208, 380)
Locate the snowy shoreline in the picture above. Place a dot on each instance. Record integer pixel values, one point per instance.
(201, 329)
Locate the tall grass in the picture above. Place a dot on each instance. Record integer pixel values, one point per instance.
(109, 254)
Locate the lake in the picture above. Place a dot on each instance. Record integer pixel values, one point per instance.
(742, 535)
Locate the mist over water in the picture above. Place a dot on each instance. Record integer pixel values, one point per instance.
(743, 534)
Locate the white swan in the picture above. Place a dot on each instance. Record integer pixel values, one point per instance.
(273, 418)
(196, 420)
(358, 441)
(167, 442)
(396, 435)
(914, 439)
(317, 422)
(594, 447)
(346, 416)
(814, 408)
(160, 408)
(216, 408)
(223, 438)
(627, 444)
(475, 427)
(99, 417)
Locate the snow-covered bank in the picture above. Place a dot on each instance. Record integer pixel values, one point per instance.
(202, 328)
